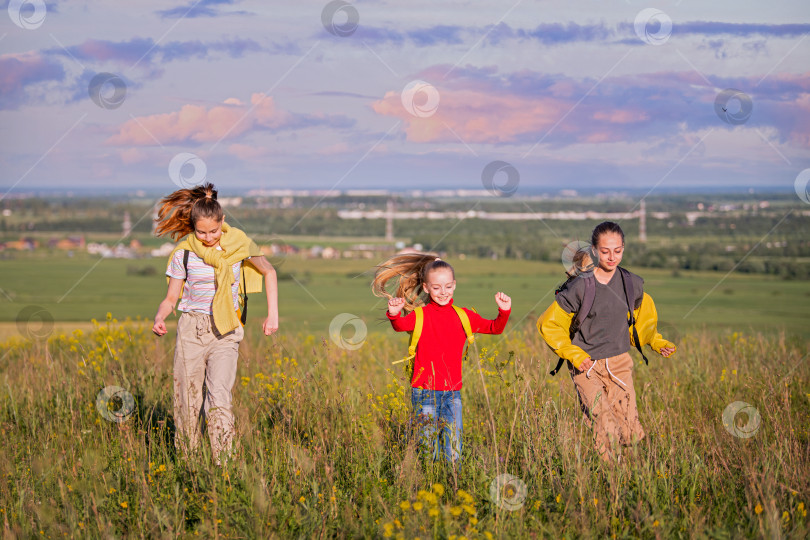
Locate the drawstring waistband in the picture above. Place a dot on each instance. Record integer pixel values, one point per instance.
(607, 365)
(205, 324)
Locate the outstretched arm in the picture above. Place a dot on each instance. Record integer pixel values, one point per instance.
(481, 325)
(261, 264)
(647, 327)
(167, 306)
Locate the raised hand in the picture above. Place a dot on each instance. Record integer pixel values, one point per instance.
(395, 305)
(503, 301)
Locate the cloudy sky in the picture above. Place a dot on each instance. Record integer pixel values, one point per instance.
(587, 94)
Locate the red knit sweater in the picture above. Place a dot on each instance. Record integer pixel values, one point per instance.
(437, 365)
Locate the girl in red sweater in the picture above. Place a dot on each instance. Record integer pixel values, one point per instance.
(425, 280)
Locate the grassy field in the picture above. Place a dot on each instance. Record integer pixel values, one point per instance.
(325, 449)
(72, 291)
(325, 444)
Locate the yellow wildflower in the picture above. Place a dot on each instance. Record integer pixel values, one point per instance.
(464, 496)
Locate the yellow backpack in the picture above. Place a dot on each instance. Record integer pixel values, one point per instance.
(417, 333)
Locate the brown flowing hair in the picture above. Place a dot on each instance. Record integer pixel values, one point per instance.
(180, 211)
(411, 271)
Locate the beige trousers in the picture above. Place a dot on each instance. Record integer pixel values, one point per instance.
(201, 357)
(608, 402)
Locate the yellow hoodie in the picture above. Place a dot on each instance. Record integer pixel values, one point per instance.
(236, 246)
(555, 323)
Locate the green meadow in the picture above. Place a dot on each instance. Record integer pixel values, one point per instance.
(325, 447)
(313, 291)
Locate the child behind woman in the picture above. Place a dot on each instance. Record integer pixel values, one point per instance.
(427, 283)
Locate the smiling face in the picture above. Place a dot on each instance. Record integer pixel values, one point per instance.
(208, 231)
(609, 249)
(440, 285)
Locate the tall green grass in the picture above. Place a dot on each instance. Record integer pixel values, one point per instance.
(324, 447)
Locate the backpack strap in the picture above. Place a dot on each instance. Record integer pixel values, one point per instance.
(465, 322)
(582, 313)
(629, 295)
(243, 294)
(417, 332)
(185, 267)
(587, 301)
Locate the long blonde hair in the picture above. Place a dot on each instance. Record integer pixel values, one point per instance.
(411, 271)
(179, 211)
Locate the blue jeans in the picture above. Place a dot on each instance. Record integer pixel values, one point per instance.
(437, 414)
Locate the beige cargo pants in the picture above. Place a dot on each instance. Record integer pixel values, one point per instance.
(608, 401)
(201, 357)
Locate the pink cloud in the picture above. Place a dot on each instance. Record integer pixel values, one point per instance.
(202, 124)
(482, 106)
(19, 70)
(478, 116)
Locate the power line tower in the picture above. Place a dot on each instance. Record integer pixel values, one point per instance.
(127, 225)
(642, 222)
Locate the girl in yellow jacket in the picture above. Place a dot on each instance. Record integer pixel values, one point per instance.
(597, 351)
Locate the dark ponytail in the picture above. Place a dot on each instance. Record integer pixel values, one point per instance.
(606, 227)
